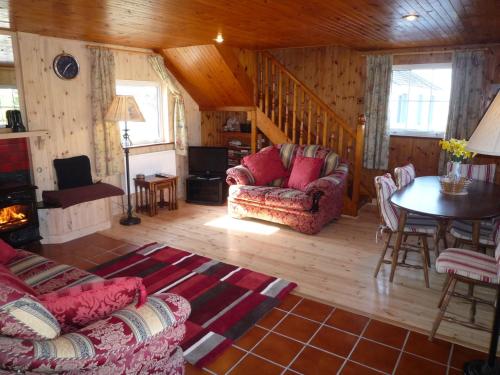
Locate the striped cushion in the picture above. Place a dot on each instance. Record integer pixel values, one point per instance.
(287, 154)
(421, 224)
(404, 175)
(462, 229)
(468, 263)
(385, 187)
(23, 315)
(481, 172)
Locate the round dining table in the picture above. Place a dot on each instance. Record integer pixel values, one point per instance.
(423, 196)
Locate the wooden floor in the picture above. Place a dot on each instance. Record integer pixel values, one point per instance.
(335, 266)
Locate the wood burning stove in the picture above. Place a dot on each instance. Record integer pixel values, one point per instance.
(18, 214)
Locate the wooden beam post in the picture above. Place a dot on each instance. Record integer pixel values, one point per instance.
(253, 136)
(358, 162)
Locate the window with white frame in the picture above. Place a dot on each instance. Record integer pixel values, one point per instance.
(419, 99)
(148, 95)
(9, 99)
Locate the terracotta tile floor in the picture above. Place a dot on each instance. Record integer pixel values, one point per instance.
(302, 336)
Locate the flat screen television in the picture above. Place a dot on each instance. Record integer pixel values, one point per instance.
(207, 161)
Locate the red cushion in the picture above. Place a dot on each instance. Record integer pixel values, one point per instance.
(265, 165)
(77, 306)
(7, 252)
(305, 170)
(13, 280)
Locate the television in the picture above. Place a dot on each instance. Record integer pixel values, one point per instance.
(207, 161)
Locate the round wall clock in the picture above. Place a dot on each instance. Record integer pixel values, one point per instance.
(66, 66)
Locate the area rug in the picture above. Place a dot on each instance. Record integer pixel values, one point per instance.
(225, 300)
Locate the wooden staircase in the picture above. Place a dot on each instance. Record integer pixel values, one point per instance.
(289, 112)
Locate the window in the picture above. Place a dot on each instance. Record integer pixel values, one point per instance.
(148, 95)
(9, 99)
(419, 99)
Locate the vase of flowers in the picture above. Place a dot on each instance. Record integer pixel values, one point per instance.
(458, 154)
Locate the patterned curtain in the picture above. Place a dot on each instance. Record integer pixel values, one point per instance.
(467, 98)
(378, 85)
(177, 115)
(107, 144)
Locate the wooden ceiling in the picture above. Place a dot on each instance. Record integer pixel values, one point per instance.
(261, 24)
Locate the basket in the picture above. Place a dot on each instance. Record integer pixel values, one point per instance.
(454, 187)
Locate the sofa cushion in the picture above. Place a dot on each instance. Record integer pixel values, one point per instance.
(272, 197)
(73, 172)
(305, 170)
(330, 158)
(292, 199)
(6, 274)
(265, 166)
(23, 316)
(7, 252)
(79, 305)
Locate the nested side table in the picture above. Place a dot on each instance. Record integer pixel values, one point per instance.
(146, 193)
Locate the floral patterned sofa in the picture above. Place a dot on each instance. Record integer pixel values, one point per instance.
(305, 211)
(133, 340)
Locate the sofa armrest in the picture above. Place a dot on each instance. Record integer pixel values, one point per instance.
(103, 342)
(239, 175)
(328, 184)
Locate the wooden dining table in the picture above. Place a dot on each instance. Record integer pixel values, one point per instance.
(423, 196)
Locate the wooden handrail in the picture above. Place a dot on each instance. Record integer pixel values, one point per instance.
(309, 92)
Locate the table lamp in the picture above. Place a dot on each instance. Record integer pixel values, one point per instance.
(486, 141)
(124, 108)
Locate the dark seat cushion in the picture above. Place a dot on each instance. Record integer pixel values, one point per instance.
(70, 197)
(73, 172)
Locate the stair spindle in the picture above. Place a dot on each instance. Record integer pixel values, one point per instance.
(273, 91)
(294, 114)
(261, 81)
(318, 124)
(287, 104)
(309, 122)
(302, 117)
(280, 100)
(325, 128)
(266, 78)
(341, 140)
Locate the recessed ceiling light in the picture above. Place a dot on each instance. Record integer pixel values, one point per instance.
(219, 38)
(411, 17)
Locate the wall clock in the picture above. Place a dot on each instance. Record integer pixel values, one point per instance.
(65, 66)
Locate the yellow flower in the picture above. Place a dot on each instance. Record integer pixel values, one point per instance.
(456, 148)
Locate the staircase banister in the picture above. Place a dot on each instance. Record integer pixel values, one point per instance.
(343, 123)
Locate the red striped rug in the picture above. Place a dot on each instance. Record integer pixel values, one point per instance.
(225, 300)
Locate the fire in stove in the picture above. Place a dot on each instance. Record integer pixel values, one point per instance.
(12, 216)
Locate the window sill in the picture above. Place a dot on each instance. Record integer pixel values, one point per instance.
(153, 147)
(417, 134)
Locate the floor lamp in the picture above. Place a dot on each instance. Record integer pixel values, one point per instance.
(124, 108)
(486, 141)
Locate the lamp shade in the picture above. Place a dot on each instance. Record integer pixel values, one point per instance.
(124, 108)
(486, 138)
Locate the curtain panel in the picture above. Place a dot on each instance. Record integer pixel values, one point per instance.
(106, 135)
(377, 134)
(467, 99)
(177, 115)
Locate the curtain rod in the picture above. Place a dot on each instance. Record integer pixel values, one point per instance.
(436, 51)
(122, 49)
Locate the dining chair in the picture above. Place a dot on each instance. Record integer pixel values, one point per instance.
(416, 226)
(461, 230)
(404, 175)
(471, 268)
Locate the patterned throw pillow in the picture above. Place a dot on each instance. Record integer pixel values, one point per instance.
(23, 316)
(265, 166)
(305, 170)
(77, 306)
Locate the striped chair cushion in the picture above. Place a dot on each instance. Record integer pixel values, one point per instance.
(468, 263)
(404, 175)
(23, 316)
(385, 187)
(421, 224)
(481, 172)
(462, 229)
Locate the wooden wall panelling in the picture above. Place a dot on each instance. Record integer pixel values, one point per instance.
(212, 123)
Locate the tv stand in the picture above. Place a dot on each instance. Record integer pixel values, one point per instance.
(211, 190)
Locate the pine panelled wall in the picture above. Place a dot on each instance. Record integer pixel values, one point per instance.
(212, 123)
(337, 75)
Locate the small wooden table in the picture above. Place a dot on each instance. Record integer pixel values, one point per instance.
(146, 190)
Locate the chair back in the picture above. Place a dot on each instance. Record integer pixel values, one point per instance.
(404, 175)
(389, 214)
(480, 172)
